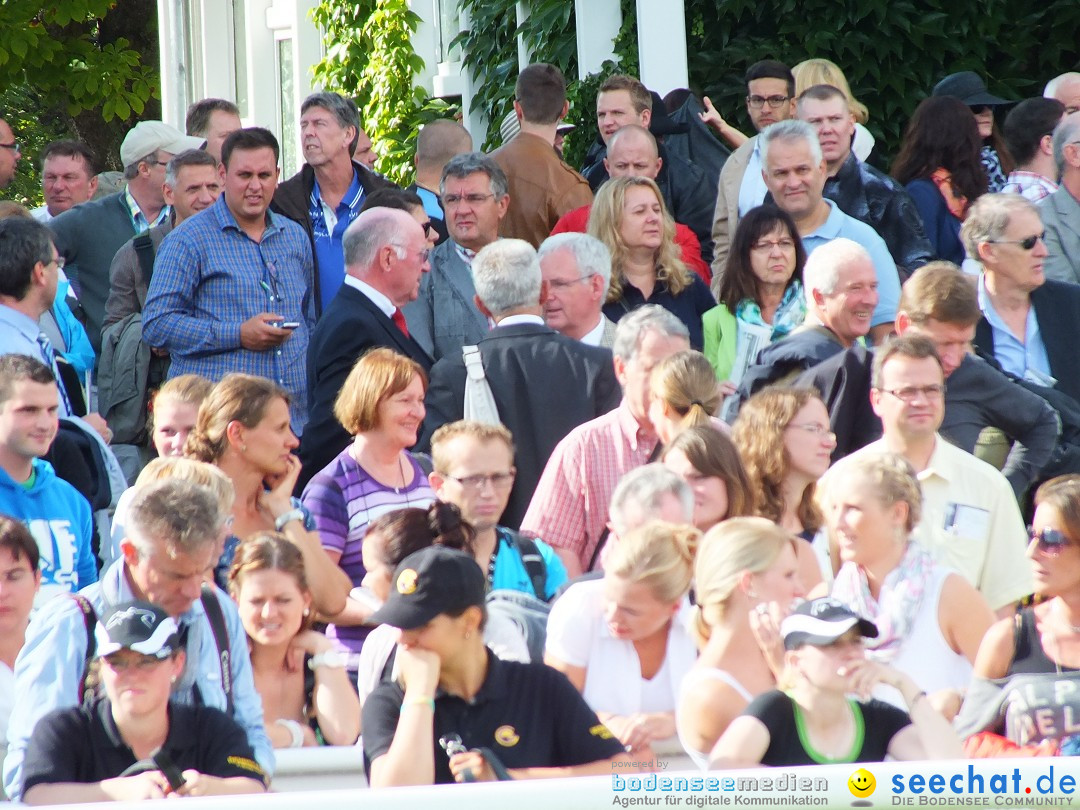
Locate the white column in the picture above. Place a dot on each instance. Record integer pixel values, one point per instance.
(524, 54)
(171, 49)
(597, 23)
(661, 28)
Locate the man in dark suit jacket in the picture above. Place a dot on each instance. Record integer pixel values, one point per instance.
(386, 254)
(544, 384)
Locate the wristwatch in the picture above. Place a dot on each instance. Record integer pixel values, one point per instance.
(329, 658)
(292, 514)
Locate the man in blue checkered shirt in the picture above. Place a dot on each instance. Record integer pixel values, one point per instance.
(232, 285)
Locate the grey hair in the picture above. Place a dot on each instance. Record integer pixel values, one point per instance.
(592, 255)
(1058, 82)
(131, 171)
(787, 131)
(185, 516)
(467, 163)
(639, 496)
(506, 275)
(343, 108)
(631, 329)
(1065, 133)
(189, 157)
(372, 230)
(988, 218)
(822, 269)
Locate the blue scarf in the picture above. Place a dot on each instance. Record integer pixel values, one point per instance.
(789, 315)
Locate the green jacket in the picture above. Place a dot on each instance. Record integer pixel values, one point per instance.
(720, 339)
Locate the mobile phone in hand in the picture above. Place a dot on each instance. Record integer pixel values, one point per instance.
(290, 324)
(166, 765)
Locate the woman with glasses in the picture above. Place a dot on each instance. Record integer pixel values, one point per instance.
(969, 87)
(930, 619)
(624, 640)
(825, 713)
(381, 404)
(940, 166)
(1027, 674)
(630, 217)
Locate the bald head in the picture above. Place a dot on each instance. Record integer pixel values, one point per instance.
(632, 152)
(439, 141)
(1066, 89)
(374, 229)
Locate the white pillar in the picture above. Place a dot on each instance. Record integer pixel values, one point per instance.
(521, 10)
(661, 26)
(172, 67)
(597, 23)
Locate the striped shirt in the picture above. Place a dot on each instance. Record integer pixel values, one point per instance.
(210, 277)
(570, 506)
(343, 499)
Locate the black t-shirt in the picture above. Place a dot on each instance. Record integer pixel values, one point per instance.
(82, 744)
(529, 715)
(876, 724)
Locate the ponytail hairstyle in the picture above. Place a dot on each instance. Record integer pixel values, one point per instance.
(405, 531)
(659, 555)
(241, 398)
(686, 383)
(270, 551)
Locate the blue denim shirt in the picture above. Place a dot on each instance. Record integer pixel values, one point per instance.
(49, 669)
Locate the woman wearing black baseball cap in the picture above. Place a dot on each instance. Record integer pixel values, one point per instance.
(458, 713)
(814, 721)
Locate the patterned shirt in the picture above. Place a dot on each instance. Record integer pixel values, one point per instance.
(1030, 184)
(328, 227)
(344, 499)
(570, 506)
(210, 277)
(138, 218)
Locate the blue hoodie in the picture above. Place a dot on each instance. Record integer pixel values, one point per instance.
(59, 518)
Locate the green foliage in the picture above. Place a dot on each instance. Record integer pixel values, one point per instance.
(57, 48)
(369, 56)
(23, 110)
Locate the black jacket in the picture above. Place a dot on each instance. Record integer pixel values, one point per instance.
(292, 199)
(804, 347)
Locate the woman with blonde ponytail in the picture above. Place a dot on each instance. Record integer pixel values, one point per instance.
(684, 393)
(745, 581)
(624, 640)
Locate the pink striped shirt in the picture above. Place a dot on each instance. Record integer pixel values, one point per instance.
(570, 506)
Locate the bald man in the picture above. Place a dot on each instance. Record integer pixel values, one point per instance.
(437, 142)
(1066, 89)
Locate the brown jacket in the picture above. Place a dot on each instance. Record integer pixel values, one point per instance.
(542, 188)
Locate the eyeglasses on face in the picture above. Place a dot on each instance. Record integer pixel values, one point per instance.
(471, 199)
(1028, 243)
(475, 483)
(814, 429)
(561, 286)
(14, 146)
(767, 245)
(775, 102)
(1050, 542)
(913, 392)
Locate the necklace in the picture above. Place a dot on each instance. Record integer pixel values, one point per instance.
(401, 469)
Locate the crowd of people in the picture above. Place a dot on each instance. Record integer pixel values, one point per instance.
(526, 472)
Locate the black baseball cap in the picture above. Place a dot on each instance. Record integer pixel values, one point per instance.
(429, 582)
(138, 626)
(821, 622)
(969, 87)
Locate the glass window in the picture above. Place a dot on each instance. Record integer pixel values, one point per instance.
(240, 62)
(287, 107)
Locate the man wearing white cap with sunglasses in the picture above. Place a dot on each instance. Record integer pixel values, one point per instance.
(88, 235)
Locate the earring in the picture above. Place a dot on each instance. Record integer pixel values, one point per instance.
(307, 612)
(172, 679)
(468, 634)
(243, 448)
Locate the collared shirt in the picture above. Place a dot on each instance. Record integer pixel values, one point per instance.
(1018, 357)
(210, 277)
(970, 522)
(328, 226)
(1029, 184)
(41, 213)
(570, 506)
(752, 190)
(385, 305)
(50, 667)
(513, 320)
(138, 218)
(595, 335)
(465, 254)
(19, 335)
(839, 225)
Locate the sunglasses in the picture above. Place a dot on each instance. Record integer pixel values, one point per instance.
(1027, 243)
(1050, 542)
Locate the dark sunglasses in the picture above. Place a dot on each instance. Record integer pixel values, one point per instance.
(429, 227)
(1050, 542)
(1027, 243)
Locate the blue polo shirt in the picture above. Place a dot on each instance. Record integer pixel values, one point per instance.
(327, 228)
(839, 225)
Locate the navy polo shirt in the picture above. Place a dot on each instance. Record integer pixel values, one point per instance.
(688, 306)
(529, 715)
(83, 744)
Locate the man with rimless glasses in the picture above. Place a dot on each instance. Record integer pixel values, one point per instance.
(1031, 325)
(970, 520)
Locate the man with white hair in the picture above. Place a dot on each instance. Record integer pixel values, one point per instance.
(544, 384)
(1066, 89)
(795, 171)
(576, 268)
(1060, 212)
(841, 290)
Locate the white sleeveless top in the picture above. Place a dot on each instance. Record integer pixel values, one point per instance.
(701, 758)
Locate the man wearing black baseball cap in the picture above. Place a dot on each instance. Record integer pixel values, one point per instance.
(493, 719)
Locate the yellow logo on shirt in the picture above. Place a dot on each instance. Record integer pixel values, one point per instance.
(506, 736)
(601, 731)
(406, 582)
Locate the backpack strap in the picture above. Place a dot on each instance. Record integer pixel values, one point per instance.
(90, 620)
(144, 249)
(212, 606)
(533, 562)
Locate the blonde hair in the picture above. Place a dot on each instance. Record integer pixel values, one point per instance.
(659, 555)
(726, 551)
(187, 389)
(605, 218)
(686, 383)
(378, 374)
(242, 398)
(482, 432)
(888, 476)
(197, 472)
(822, 71)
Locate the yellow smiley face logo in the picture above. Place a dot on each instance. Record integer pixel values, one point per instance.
(506, 736)
(406, 582)
(861, 783)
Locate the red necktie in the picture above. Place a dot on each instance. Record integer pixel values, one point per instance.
(399, 319)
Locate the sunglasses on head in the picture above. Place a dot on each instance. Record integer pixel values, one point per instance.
(1050, 542)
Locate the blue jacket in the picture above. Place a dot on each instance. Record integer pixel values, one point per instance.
(79, 351)
(59, 518)
(49, 669)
